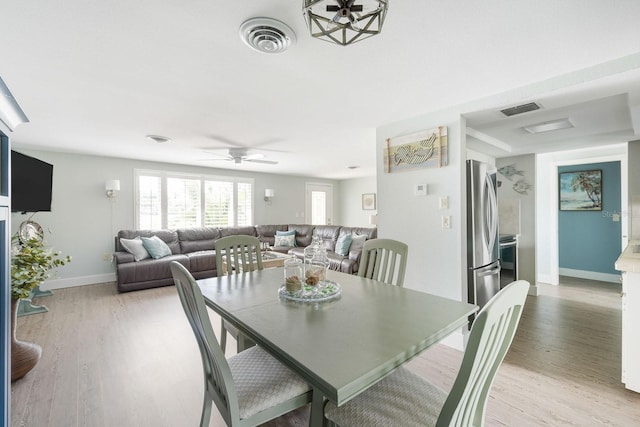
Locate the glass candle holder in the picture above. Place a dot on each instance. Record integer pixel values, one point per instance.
(293, 275)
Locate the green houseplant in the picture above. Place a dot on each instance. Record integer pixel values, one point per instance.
(31, 264)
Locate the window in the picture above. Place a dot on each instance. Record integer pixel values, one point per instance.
(173, 200)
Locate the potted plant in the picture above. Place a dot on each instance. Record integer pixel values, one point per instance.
(31, 264)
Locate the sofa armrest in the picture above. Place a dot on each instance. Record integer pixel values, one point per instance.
(123, 257)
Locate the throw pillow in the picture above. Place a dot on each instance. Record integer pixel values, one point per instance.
(156, 247)
(357, 242)
(287, 233)
(343, 244)
(135, 248)
(285, 240)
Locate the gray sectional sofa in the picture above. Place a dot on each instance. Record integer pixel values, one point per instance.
(194, 248)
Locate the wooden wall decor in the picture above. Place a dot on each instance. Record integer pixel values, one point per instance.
(424, 149)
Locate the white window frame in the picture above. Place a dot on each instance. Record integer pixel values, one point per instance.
(164, 175)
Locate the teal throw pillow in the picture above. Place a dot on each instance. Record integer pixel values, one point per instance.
(343, 244)
(287, 233)
(285, 241)
(156, 247)
(135, 248)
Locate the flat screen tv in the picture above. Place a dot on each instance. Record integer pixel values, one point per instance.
(31, 181)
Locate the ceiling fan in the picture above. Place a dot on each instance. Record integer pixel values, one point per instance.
(239, 155)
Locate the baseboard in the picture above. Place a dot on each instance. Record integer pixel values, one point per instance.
(590, 275)
(72, 282)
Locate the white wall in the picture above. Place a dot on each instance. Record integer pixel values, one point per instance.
(349, 206)
(506, 193)
(435, 262)
(547, 269)
(83, 221)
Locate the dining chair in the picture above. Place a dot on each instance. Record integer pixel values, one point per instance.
(406, 399)
(249, 388)
(384, 260)
(239, 253)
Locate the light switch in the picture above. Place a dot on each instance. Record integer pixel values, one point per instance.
(444, 202)
(615, 217)
(446, 222)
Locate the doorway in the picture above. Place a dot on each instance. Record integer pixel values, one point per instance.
(319, 204)
(547, 205)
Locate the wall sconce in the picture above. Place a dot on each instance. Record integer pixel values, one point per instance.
(112, 186)
(373, 219)
(269, 193)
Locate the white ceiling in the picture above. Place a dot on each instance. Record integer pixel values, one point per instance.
(95, 77)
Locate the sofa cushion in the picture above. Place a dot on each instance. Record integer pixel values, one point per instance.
(170, 237)
(328, 234)
(357, 242)
(156, 247)
(149, 270)
(233, 231)
(198, 239)
(343, 244)
(304, 232)
(266, 233)
(287, 233)
(285, 241)
(135, 248)
(202, 261)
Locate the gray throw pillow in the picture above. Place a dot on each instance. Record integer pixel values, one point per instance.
(357, 242)
(285, 241)
(135, 248)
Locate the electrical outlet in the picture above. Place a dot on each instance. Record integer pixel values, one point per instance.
(107, 257)
(446, 221)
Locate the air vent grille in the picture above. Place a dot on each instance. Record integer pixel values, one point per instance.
(267, 35)
(524, 108)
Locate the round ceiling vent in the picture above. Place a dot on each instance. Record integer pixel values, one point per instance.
(267, 35)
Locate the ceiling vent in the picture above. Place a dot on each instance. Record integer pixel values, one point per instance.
(267, 35)
(524, 108)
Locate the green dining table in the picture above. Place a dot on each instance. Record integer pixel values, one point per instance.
(343, 346)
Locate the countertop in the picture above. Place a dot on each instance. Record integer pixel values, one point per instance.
(629, 260)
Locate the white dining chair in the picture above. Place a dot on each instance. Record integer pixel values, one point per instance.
(249, 388)
(240, 254)
(406, 399)
(384, 260)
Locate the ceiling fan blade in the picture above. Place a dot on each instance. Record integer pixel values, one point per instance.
(266, 162)
(332, 8)
(253, 156)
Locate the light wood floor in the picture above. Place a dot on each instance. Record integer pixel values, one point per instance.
(130, 359)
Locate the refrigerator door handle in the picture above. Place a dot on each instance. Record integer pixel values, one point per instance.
(490, 272)
(490, 212)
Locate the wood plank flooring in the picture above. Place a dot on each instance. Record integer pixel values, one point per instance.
(130, 359)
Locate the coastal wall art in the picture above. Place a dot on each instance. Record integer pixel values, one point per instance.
(424, 149)
(580, 191)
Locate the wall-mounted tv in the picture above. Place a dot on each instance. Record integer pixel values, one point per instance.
(31, 181)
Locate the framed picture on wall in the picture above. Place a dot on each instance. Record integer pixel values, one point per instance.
(580, 191)
(369, 201)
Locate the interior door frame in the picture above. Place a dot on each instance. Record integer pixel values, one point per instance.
(318, 186)
(547, 244)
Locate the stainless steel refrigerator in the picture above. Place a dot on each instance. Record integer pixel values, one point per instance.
(483, 244)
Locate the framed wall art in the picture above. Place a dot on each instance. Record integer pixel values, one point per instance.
(369, 201)
(580, 191)
(425, 149)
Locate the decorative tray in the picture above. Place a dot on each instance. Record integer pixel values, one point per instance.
(323, 291)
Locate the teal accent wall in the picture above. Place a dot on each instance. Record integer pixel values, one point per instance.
(591, 240)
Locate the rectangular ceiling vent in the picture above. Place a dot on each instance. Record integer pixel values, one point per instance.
(524, 108)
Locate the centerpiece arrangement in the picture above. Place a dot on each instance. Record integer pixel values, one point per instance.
(31, 263)
(312, 285)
